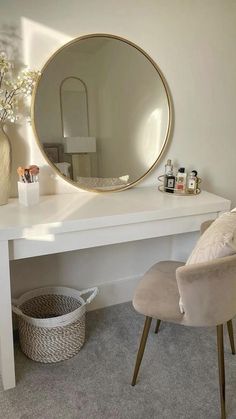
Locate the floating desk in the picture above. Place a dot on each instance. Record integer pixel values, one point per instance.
(66, 222)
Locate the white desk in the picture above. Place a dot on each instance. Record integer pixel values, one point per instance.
(61, 223)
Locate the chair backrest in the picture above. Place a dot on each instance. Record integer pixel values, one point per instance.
(208, 291)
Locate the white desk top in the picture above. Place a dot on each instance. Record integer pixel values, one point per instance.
(85, 211)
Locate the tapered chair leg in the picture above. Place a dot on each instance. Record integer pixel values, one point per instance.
(142, 345)
(221, 365)
(231, 335)
(157, 326)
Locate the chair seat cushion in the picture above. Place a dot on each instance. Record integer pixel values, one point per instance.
(157, 294)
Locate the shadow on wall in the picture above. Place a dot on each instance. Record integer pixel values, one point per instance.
(10, 42)
(44, 274)
(20, 153)
(20, 133)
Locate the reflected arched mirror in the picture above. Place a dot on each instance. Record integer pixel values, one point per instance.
(74, 108)
(101, 112)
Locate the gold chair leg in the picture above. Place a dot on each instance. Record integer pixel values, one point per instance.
(141, 348)
(231, 335)
(221, 365)
(157, 326)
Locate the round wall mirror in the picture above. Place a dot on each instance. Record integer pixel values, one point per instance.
(101, 113)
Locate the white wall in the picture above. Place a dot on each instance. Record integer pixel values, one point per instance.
(193, 42)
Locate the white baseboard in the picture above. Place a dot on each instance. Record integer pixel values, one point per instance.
(114, 292)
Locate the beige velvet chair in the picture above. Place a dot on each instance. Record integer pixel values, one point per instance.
(208, 293)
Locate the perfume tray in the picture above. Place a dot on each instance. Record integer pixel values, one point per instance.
(177, 192)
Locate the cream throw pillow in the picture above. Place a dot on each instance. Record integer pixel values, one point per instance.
(218, 241)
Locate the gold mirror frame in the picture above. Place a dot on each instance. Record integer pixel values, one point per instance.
(73, 41)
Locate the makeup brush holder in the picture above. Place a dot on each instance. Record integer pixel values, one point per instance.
(28, 193)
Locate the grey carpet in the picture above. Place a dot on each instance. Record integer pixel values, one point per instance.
(178, 377)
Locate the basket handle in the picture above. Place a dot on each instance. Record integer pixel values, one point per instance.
(94, 292)
(20, 313)
(16, 309)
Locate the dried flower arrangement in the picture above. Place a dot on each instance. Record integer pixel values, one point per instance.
(12, 90)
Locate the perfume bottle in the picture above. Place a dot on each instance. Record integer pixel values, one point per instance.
(192, 182)
(169, 178)
(168, 166)
(181, 180)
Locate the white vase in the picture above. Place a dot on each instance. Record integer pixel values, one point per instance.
(5, 166)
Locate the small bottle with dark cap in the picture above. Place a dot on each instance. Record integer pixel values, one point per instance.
(169, 178)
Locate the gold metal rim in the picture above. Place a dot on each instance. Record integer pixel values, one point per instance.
(170, 113)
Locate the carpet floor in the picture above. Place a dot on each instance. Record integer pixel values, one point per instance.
(178, 378)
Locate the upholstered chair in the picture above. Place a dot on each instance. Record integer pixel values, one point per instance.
(208, 294)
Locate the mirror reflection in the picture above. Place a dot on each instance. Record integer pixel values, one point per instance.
(74, 108)
(101, 112)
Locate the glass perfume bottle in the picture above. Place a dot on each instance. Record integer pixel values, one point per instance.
(169, 178)
(192, 182)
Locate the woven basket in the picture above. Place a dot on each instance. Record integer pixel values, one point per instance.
(51, 322)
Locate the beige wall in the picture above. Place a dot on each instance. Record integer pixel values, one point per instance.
(193, 42)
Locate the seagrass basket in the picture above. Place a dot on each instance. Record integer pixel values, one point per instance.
(51, 322)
